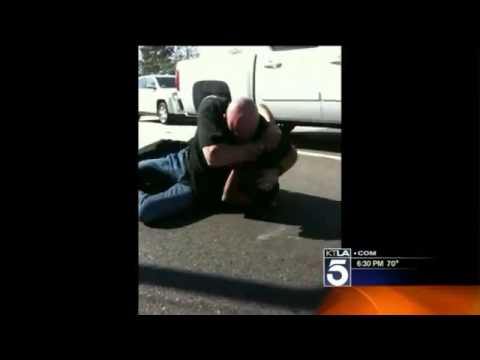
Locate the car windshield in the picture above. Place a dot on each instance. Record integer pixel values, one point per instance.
(166, 82)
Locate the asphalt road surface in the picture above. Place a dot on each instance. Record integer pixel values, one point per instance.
(228, 263)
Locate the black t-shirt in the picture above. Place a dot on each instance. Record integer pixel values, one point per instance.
(208, 182)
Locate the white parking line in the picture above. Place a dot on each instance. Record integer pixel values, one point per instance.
(309, 153)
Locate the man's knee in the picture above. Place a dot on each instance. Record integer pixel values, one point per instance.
(144, 215)
(152, 209)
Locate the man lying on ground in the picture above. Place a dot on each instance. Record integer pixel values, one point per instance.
(232, 141)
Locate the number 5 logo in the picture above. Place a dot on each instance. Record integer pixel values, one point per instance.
(337, 266)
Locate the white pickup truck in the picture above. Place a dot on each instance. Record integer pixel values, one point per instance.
(299, 84)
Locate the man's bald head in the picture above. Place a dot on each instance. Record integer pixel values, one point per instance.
(242, 118)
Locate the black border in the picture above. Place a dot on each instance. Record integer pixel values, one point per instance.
(106, 228)
(418, 195)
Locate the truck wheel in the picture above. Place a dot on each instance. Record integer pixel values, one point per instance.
(286, 127)
(162, 112)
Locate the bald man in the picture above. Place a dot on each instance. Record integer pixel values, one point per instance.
(255, 183)
(232, 138)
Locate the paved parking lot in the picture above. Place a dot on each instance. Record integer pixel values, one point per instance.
(232, 264)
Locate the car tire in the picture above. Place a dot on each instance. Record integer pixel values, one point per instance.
(162, 112)
(286, 127)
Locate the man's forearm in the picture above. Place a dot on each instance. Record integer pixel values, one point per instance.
(266, 113)
(219, 155)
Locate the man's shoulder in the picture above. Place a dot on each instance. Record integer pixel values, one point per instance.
(211, 113)
(213, 104)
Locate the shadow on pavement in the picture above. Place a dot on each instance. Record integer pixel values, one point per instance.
(326, 141)
(236, 289)
(318, 218)
(178, 221)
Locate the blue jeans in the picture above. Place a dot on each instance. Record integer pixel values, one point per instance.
(164, 187)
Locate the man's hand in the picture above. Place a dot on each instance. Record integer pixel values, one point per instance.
(268, 179)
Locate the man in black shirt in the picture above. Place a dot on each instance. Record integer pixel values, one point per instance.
(229, 137)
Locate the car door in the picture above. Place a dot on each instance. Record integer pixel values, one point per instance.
(142, 84)
(151, 95)
(296, 81)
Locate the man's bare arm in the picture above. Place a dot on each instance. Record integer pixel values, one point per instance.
(272, 138)
(266, 113)
(219, 155)
(272, 135)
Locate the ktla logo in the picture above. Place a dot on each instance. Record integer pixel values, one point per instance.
(337, 267)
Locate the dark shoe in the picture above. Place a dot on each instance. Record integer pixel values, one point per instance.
(265, 202)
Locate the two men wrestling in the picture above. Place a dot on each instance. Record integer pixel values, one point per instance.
(236, 157)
